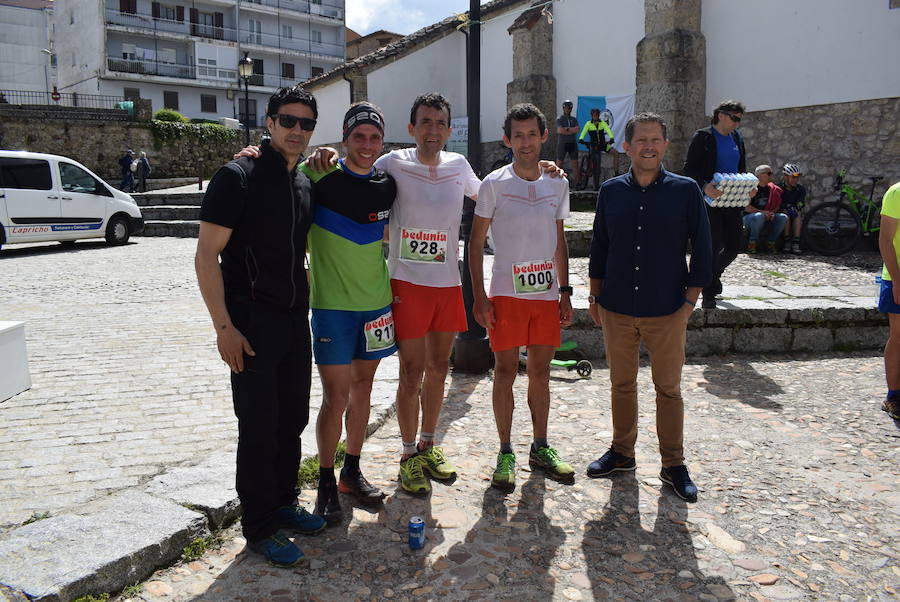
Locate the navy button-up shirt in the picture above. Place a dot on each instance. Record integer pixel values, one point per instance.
(640, 240)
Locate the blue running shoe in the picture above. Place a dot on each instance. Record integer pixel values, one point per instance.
(278, 550)
(299, 520)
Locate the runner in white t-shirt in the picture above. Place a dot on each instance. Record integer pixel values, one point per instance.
(530, 289)
(423, 262)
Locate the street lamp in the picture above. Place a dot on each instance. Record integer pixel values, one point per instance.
(245, 69)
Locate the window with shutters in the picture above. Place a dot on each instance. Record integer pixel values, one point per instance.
(132, 93)
(316, 71)
(125, 7)
(316, 36)
(208, 103)
(170, 99)
(287, 71)
(255, 32)
(287, 31)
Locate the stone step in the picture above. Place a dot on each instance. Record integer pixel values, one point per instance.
(175, 228)
(171, 212)
(816, 325)
(148, 199)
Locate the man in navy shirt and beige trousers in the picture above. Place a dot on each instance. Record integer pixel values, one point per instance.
(642, 290)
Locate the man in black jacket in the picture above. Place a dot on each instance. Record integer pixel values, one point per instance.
(256, 215)
(719, 148)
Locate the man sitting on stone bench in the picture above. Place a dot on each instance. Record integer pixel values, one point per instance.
(762, 211)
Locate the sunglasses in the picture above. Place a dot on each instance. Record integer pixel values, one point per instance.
(734, 118)
(289, 121)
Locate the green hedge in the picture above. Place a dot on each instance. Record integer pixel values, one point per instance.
(164, 131)
(170, 115)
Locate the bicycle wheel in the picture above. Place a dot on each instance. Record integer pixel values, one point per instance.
(584, 172)
(831, 228)
(874, 226)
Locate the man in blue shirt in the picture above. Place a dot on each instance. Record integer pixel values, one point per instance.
(719, 148)
(643, 290)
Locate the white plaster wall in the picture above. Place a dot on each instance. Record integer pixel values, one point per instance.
(22, 64)
(439, 67)
(333, 100)
(496, 72)
(594, 47)
(800, 52)
(80, 43)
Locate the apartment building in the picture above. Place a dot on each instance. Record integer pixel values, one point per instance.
(184, 55)
(27, 61)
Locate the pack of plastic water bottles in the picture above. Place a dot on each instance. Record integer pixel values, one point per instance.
(735, 189)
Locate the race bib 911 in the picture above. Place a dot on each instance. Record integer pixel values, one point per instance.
(379, 332)
(532, 277)
(423, 246)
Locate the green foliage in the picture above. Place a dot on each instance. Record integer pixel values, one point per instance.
(308, 475)
(35, 517)
(775, 274)
(132, 591)
(169, 115)
(165, 131)
(201, 120)
(200, 545)
(89, 598)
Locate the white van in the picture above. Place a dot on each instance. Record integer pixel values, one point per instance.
(48, 197)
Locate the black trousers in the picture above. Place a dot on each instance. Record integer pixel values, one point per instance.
(727, 230)
(271, 402)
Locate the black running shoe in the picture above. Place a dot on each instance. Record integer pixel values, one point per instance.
(891, 405)
(610, 462)
(328, 506)
(680, 480)
(355, 484)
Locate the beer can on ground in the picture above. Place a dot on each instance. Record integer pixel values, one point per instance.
(416, 533)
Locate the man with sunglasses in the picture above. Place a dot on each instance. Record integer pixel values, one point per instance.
(256, 215)
(719, 148)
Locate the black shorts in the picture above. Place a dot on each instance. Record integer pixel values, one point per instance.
(567, 148)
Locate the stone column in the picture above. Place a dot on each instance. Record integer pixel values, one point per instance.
(533, 80)
(671, 71)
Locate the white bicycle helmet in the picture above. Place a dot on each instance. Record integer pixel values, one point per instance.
(791, 169)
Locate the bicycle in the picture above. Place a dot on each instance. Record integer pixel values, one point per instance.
(833, 228)
(588, 166)
(506, 160)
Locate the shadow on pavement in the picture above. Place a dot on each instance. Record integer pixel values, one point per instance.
(38, 249)
(734, 378)
(626, 561)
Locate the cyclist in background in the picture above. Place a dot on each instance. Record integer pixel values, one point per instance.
(598, 137)
(792, 200)
(889, 299)
(566, 146)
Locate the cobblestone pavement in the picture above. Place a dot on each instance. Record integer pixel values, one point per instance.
(798, 470)
(797, 464)
(126, 378)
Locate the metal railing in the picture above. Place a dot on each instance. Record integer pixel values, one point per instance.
(271, 40)
(146, 67)
(334, 10)
(149, 23)
(66, 99)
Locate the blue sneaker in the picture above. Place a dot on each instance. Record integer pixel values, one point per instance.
(680, 481)
(278, 550)
(299, 520)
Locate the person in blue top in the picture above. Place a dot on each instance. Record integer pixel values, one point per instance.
(642, 290)
(719, 148)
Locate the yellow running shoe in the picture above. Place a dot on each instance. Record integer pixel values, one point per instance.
(436, 463)
(412, 479)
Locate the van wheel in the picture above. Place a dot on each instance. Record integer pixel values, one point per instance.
(117, 231)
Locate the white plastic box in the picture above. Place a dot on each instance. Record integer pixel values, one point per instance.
(14, 375)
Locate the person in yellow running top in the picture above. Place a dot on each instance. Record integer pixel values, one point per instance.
(889, 299)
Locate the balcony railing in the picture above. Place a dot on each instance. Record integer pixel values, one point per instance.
(272, 40)
(145, 67)
(149, 23)
(66, 99)
(334, 10)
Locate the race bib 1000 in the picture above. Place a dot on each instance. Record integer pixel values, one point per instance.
(379, 332)
(424, 246)
(532, 277)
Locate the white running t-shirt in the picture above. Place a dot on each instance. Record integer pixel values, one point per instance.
(523, 220)
(424, 223)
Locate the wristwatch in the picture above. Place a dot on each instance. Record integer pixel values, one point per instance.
(592, 300)
(565, 289)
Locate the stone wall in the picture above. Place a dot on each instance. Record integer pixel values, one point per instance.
(861, 137)
(99, 145)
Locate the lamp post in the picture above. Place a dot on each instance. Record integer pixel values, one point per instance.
(245, 69)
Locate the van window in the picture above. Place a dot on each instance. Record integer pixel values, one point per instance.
(75, 179)
(32, 174)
